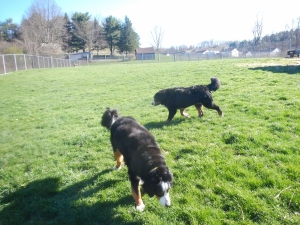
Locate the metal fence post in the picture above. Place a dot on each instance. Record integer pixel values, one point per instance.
(16, 62)
(4, 64)
(25, 62)
(38, 58)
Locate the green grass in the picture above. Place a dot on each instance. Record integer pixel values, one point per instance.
(243, 168)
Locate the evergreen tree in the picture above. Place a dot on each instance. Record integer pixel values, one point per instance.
(8, 30)
(79, 26)
(112, 27)
(67, 37)
(129, 39)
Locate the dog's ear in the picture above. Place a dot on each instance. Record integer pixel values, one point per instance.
(109, 117)
(167, 176)
(114, 114)
(149, 186)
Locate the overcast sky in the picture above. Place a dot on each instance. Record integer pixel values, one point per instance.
(186, 22)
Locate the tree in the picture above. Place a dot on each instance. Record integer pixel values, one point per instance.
(284, 36)
(43, 26)
(297, 33)
(89, 31)
(257, 30)
(112, 28)
(8, 30)
(157, 38)
(100, 42)
(71, 43)
(129, 39)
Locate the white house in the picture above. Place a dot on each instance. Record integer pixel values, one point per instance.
(248, 54)
(234, 52)
(275, 52)
(231, 53)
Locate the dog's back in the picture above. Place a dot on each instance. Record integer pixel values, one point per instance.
(130, 137)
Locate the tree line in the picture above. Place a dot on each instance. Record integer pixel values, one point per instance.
(288, 39)
(45, 30)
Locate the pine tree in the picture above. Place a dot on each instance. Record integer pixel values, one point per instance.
(129, 39)
(112, 27)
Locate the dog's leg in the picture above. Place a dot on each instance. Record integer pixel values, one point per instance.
(199, 108)
(183, 113)
(172, 113)
(215, 107)
(136, 193)
(119, 158)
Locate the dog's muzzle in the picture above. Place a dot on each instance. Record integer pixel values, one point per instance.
(165, 200)
(155, 103)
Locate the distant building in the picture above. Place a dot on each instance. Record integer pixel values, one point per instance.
(248, 54)
(80, 56)
(231, 52)
(145, 53)
(234, 52)
(208, 52)
(275, 52)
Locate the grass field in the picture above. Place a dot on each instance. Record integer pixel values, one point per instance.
(243, 168)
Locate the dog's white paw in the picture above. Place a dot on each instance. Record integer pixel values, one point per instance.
(116, 168)
(140, 207)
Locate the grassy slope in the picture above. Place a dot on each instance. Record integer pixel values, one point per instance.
(240, 169)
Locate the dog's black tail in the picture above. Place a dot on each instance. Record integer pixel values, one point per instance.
(215, 84)
(109, 117)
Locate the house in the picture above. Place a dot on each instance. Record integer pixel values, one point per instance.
(231, 52)
(275, 52)
(145, 53)
(208, 52)
(80, 56)
(248, 54)
(234, 53)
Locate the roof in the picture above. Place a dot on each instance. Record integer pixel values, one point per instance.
(144, 50)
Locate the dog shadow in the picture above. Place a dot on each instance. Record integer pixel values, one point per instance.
(288, 69)
(42, 202)
(161, 124)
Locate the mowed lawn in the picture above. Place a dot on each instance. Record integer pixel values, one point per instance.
(243, 168)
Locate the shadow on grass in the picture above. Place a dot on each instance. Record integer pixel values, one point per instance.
(153, 125)
(289, 69)
(41, 202)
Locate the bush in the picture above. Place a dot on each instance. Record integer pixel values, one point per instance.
(13, 50)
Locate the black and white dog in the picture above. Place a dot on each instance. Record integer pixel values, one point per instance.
(146, 165)
(181, 98)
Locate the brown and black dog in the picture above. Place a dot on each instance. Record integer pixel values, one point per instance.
(181, 98)
(146, 165)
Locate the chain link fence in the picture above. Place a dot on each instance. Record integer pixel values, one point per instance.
(14, 62)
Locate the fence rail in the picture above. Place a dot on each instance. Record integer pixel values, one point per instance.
(14, 62)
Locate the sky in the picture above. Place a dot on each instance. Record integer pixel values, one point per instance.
(185, 22)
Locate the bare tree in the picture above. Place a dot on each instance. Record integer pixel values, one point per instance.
(157, 38)
(43, 27)
(257, 30)
(297, 31)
